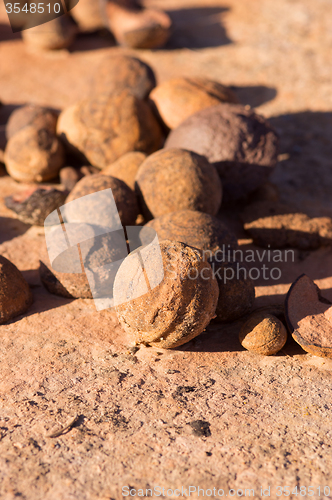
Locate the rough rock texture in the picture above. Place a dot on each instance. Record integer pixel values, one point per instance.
(31, 114)
(279, 225)
(15, 294)
(106, 127)
(34, 155)
(176, 310)
(126, 167)
(241, 144)
(269, 417)
(66, 274)
(195, 229)
(100, 211)
(309, 317)
(179, 98)
(236, 290)
(123, 72)
(175, 179)
(36, 205)
(263, 334)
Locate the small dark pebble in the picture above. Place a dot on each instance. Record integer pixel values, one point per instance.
(200, 428)
(37, 206)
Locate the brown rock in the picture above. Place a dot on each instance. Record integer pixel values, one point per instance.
(34, 115)
(34, 155)
(101, 210)
(67, 285)
(65, 275)
(263, 334)
(137, 27)
(89, 15)
(279, 225)
(180, 98)
(309, 317)
(33, 207)
(236, 290)
(123, 72)
(56, 34)
(176, 310)
(15, 294)
(174, 179)
(106, 127)
(126, 167)
(195, 229)
(241, 144)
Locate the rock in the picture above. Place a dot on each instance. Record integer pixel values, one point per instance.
(34, 115)
(59, 33)
(179, 98)
(101, 211)
(33, 207)
(174, 179)
(263, 334)
(65, 275)
(137, 27)
(89, 15)
(309, 317)
(15, 294)
(106, 127)
(126, 167)
(123, 72)
(241, 145)
(176, 310)
(34, 155)
(195, 229)
(278, 225)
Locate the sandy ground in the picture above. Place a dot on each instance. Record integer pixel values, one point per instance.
(267, 419)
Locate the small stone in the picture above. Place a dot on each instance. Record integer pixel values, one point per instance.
(263, 334)
(101, 210)
(278, 225)
(174, 179)
(309, 317)
(34, 155)
(200, 428)
(15, 294)
(34, 115)
(33, 207)
(241, 144)
(105, 127)
(123, 72)
(89, 15)
(56, 34)
(66, 277)
(126, 167)
(179, 98)
(176, 310)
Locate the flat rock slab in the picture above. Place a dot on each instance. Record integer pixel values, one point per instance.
(209, 414)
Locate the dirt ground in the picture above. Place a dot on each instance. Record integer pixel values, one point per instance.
(267, 419)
